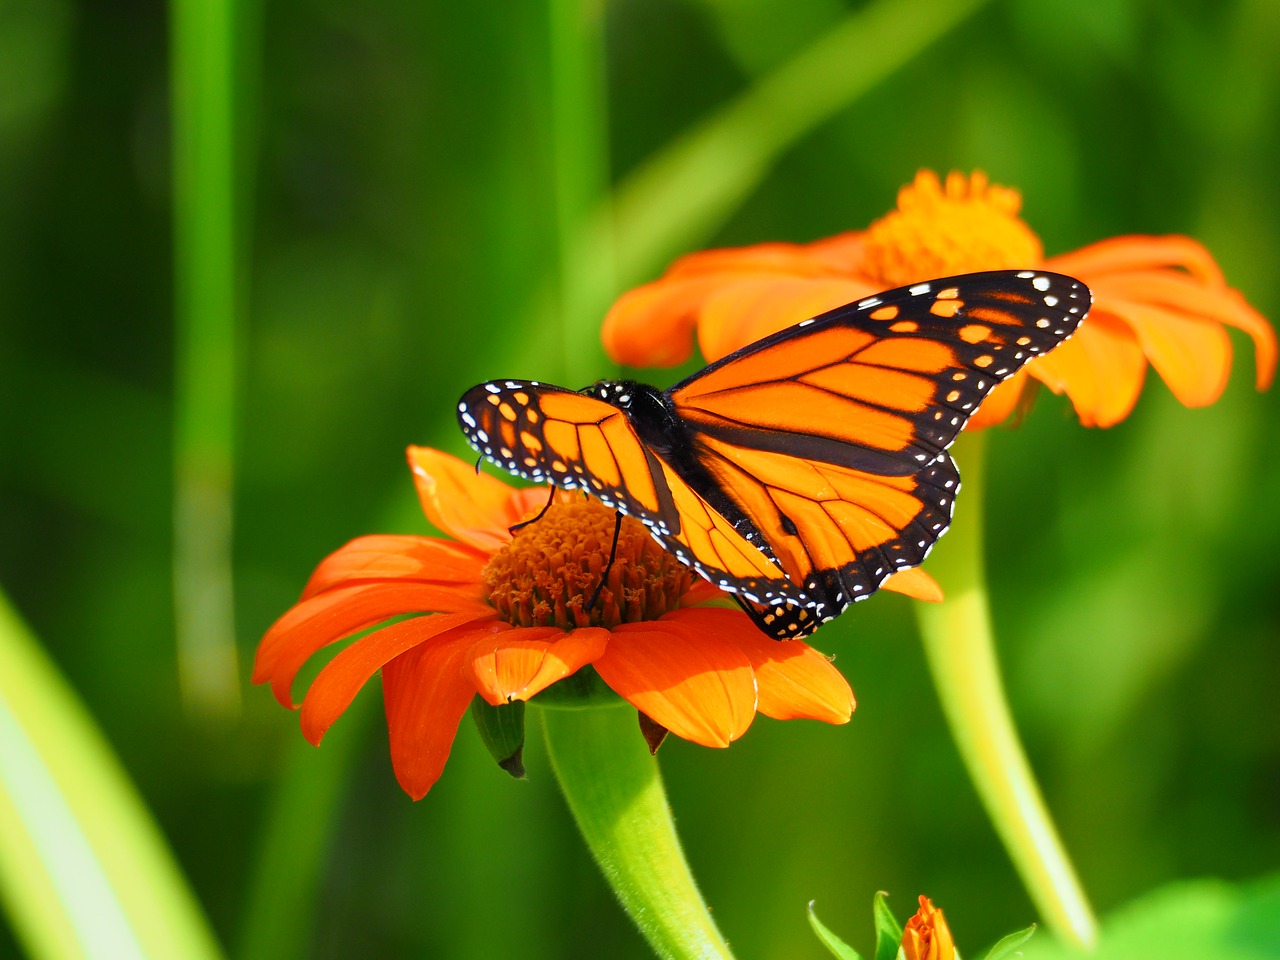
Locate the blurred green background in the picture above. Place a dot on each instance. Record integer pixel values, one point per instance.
(411, 179)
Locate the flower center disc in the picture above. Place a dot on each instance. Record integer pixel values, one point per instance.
(550, 569)
(939, 230)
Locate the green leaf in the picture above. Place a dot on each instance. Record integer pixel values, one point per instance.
(829, 940)
(1203, 919)
(888, 930)
(502, 730)
(1007, 946)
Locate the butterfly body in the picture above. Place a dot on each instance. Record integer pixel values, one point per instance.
(803, 470)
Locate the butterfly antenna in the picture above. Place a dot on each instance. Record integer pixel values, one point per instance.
(613, 552)
(516, 528)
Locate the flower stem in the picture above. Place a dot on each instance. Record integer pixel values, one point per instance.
(960, 645)
(615, 792)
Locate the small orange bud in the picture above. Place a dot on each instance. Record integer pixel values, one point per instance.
(926, 935)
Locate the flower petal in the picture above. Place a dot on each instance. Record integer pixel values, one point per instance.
(695, 684)
(747, 309)
(652, 325)
(914, 582)
(1138, 253)
(425, 694)
(1193, 356)
(342, 677)
(340, 612)
(1101, 369)
(392, 557)
(1185, 295)
(472, 507)
(525, 661)
(1001, 403)
(793, 680)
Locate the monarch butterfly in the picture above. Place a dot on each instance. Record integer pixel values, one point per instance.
(801, 471)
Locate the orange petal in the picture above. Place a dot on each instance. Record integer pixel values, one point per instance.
(315, 623)
(337, 684)
(652, 325)
(745, 310)
(472, 507)
(841, 254)
(1192, 355)
(1124, 254)
(697, 686)
(1000, 404)
(392, 557)
(425, 694)
(703, 591)
(1182, 294)
(793, 681)
(915, 583)
(1101, 369)
(520, 663)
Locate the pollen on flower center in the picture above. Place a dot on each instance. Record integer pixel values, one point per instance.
(938, 230)
(548, 572)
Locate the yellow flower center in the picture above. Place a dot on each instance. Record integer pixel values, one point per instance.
(938, 231)
(548, 572)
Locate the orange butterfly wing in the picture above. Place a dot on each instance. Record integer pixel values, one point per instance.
(831, 435)
(550, 434)
(803, 470)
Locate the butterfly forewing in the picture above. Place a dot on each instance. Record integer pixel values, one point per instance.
(884, 384)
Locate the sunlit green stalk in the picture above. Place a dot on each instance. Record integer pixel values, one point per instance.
(294, 838)
(84, 871)
(960, 645)
(682, 194)
(678, 197)
(580, 156)
(615, 792)
(204, 204)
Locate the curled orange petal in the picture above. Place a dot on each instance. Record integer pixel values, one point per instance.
(523, 662)
(915, 583)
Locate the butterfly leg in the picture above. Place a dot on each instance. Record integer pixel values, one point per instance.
(516, 528)
(613, 552)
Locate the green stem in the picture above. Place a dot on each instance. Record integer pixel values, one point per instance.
(204, 204)
(581, 169)
(960, 645)
(615, 792)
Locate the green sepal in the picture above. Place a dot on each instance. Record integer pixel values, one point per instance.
(584, 689)
(888, 930)
(502, 730)
(838, 947)
(1006, 946)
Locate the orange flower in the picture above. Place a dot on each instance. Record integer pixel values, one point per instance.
(506, 620)
(1161, 300)
(926, 935)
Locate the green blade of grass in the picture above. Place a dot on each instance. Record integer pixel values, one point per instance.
(84, 871)
(203, 99)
